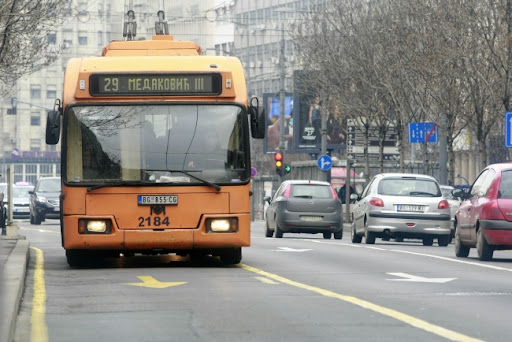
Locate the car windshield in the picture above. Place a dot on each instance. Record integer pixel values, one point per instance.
(311, 191)
(21, 191)
(505, 185)
(447, 193)
(156, 143)
(409, 187)
(49, 185)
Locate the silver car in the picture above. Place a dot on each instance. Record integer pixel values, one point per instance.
(454, 205)
(302, 206)
(399, 205)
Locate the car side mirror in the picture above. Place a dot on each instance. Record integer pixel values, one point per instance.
(459, 193)
(53, 125)
(354, 197)
(267, 198)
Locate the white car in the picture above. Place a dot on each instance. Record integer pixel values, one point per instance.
(454, 205)
(401, 205)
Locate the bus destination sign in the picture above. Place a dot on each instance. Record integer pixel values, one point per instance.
(155, 84)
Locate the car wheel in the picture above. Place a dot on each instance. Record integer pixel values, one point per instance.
(37, 219)
(443, 240)
(327, 236)
(279, 232)
(428, 241)
(268, 232)
(353, 235)
(484, 250)
(232, 257)
(338, 235)
(461, 250)
(369, 236)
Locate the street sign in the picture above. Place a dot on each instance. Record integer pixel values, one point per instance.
(356, 137)
(420, 132)
(508, 129)
(324, 163)
(254, 172)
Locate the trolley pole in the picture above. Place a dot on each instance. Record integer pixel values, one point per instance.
(282, 146)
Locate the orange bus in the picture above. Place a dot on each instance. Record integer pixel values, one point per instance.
(155, 152)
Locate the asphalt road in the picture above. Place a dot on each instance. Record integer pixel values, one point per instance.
(298, 288)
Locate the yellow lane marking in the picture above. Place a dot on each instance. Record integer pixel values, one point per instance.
(413, 321)
(149, 281)
(39, 332)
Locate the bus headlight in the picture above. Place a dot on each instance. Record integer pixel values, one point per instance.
(222, 225)
(94, 226)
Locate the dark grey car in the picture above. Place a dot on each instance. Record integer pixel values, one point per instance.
(45, 200)
(302, 206)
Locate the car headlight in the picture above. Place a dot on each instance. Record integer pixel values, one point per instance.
(94, 226)
(222, 225)
(41, 199)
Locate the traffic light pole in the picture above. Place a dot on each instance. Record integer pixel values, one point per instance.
(281, 101)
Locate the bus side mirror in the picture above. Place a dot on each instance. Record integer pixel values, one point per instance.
(257, 118)
(53, 127)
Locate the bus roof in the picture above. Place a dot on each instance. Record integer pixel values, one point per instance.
(160, 45)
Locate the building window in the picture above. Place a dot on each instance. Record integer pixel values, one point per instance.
(35, 145)
(31, 168)
(100, 38)
(35, 91)
(52, 38)
(82, 38)
(46, 168)
(51, 92)
(35, 119)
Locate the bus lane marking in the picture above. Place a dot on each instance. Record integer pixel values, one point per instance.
(402, 317)
(149, 281)
(39, 330)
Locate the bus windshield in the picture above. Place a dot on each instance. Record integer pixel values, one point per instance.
(156, 144)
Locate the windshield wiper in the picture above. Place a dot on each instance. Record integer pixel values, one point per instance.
(213, 185)
(118, 183)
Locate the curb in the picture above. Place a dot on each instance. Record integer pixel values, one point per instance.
(13, 285)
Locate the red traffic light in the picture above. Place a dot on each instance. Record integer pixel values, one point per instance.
(278, 156)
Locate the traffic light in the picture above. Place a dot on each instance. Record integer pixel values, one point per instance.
(278, 157)
(287, 169)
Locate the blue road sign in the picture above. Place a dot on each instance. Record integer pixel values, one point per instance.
(416, 132)
(420, 132)
(324, 163)
(508, 129)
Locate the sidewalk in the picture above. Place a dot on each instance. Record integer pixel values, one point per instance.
(14, 252)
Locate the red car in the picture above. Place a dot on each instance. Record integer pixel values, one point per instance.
(484, 219)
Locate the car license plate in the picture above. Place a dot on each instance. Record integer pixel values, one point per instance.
(409, 207)
(157, 199)
(311, 218)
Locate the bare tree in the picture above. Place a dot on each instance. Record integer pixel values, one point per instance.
(24, 25)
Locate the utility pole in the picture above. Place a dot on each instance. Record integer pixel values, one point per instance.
(323, 137)
(281, 100)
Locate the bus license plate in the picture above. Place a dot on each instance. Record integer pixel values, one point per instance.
(157, 199)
